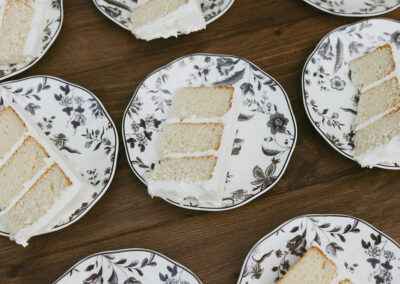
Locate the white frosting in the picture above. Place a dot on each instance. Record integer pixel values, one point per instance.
(71, 200)
(186, 19)
(207, 193)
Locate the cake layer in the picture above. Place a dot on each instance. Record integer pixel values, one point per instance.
(153, 10)
(378, 100)
(346, 281)
(312, 268)
(372, 67)
(201, 102)
(191, 137)
(23, 165)
(12, 128)
(188, 169)
(377, 134)
(37, 201)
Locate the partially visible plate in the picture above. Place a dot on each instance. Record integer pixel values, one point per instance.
(50, 34)
(78, 124)
(355, 8)
(129, 266)
(119, 11)
(360, 251)
(329, 97)
(264, 141)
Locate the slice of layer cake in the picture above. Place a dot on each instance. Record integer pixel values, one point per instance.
(165, 18)
(314, 267)
(196, 144)
(377, 124)
(22, 24)
(38, 183)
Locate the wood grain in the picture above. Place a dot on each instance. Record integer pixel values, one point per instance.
(278, 36)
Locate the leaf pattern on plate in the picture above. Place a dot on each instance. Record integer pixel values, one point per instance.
(355, 8)
(64, 112)
(50, 33)
(329, 97)
(258, 158)
(131, 266)
(358, 249)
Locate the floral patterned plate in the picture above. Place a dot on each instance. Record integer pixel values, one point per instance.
(129, 266)
(361, 252)
(78, 124)
(119, 11)
(355, 8)
(264, 141)
(329, 97)
(50, 34)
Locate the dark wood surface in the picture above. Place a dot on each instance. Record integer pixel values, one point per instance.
(278, 36)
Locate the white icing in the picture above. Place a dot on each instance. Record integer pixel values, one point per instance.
(207, 193)
(77, 193)
(186, 19)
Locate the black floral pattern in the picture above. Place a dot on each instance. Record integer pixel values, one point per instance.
(277, 123)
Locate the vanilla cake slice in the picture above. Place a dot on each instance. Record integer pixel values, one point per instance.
(38, 183)
(196, 145)
(377, 124)
(153, 19)
(22, 24)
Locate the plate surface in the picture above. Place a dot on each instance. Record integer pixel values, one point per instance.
(267, 128)
(360, 251)
(50, 34)
(329, 97)
(355, 8)
(129, 266)
(119, 11)
(78, 124)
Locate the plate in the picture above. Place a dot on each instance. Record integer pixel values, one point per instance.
(119, 11)
(329, 97)
(355, 8)
(264, 141)
(78, 124)
(51, 32)
(361, 252)
(129, 266)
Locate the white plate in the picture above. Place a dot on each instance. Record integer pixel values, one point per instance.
(267, 128)
(329, 97)
(119, 11)
(360, 251)
(50, 34)
(355, 8)
(129, 266)
(78, 124)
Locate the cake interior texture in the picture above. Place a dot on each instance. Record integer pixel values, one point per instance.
(153, 10)
(191, 137)
(378, 99)
(372, 67)
(14, 30)
(12, 129)
(201, 102)
(312, 268)
(37, 201)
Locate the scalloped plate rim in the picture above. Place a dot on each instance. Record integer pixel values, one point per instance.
(32, 63)
(129, 250)
(83, 213)
(125, 28)
(352, 15)
(393, 168)
(305, 216)
(212, 209)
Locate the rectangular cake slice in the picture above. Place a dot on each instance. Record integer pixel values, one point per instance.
(196, 144)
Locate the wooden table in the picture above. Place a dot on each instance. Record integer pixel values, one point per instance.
(278, 36)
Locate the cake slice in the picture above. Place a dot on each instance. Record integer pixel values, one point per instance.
(39, 185)
(196, 144)
(165, 18)
(22, 24)
(377, 124)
